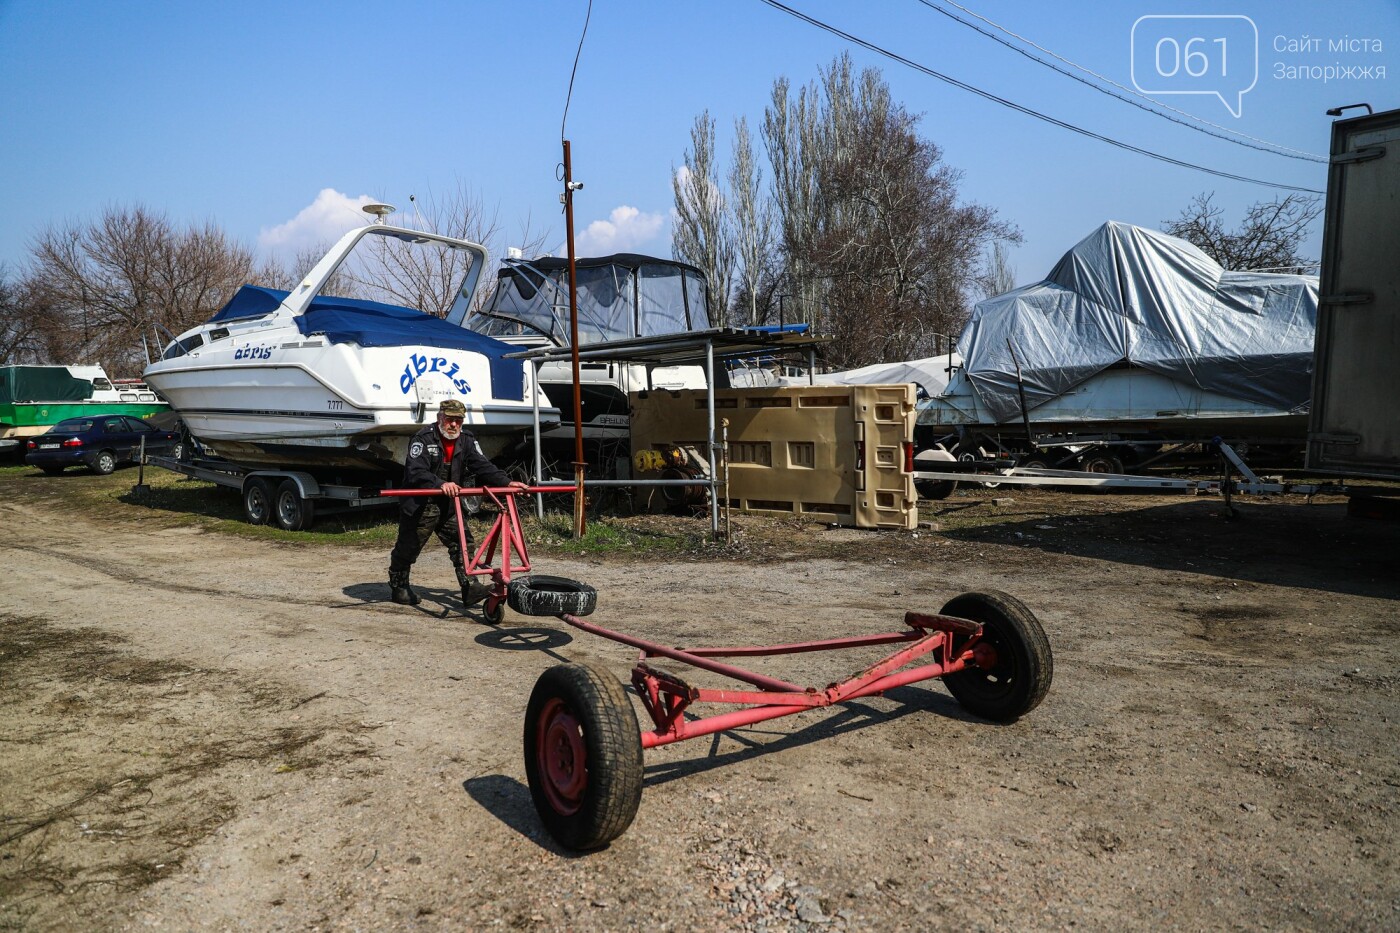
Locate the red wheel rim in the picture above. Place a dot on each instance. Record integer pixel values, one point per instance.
(562, 757)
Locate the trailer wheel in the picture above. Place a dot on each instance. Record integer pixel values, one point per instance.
(493, 616)
(583, 755)
(257, 501)
(542, 595)
(293, 512)
(935, 489)
(1101, 463)
(105, 463)
(1013, 665)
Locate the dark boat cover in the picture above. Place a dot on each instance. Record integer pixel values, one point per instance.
(374, 324)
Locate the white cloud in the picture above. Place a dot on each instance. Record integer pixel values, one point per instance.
(321, 222)
(627, 230)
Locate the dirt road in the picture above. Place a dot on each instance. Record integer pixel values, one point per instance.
(200, 731)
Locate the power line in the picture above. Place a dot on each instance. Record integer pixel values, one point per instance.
(1287, 151)
(1027, 110)
(568, 98)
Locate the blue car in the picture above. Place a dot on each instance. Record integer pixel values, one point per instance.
(99, 442)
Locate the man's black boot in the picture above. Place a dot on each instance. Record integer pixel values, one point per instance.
(471, 592)
(399, 590)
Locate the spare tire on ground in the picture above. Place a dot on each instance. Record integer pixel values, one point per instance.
(541, 595)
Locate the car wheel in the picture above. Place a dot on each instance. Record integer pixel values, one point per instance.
(52, 470)
(105, 463)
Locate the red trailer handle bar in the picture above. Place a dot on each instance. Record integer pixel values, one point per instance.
(504, 531)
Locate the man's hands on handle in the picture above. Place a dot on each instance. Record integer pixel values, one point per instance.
(452, 489)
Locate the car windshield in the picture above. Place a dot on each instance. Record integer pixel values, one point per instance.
(72, 426)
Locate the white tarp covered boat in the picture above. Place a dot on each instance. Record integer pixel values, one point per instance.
(1135, 331)
(308, 379)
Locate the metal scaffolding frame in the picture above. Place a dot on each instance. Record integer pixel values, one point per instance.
(687, 349)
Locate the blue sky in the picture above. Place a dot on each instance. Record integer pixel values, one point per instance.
(274, 119)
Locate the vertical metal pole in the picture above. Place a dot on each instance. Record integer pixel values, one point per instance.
(724, 427)
(710, 401)
(811, 366)
(539, 458)
(580, 523)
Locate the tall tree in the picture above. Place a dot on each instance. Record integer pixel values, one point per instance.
(872, 224)
(97, 289)
(1267, 240)
(999, 276)
(20, 338)
(753, 227)
(701, 234)
(790, 134)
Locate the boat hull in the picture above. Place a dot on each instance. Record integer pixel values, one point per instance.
(333, 405)
(1126, 401)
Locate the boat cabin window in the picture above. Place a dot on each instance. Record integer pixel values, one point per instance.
(616, 301)
(181, 347)
(218, 334)
(101, 385)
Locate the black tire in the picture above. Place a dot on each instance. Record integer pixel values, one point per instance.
(541, 595)
(1018, 673)
(104, 463)
(1035, 463)
(493, 616)
(583, 755)
(935, 489)
(52, 470)
(292, 512)
(1101, 463)
(178, 451)
(257, 501)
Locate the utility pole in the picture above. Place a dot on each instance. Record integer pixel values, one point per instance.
(580, 522)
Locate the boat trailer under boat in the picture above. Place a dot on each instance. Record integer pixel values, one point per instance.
(309, 379)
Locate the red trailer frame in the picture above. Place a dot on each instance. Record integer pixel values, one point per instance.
(585, 773)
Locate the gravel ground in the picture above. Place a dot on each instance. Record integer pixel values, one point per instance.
(208, 731)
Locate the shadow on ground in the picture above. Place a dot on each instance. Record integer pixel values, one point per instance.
(1298, 545)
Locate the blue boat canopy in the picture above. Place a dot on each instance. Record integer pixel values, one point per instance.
(374, 324)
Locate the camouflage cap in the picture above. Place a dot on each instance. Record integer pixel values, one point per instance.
(452, 407)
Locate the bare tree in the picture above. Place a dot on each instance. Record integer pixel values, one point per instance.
(999, 276)
(1267, 240)
(20, 338)
(790, 133)
(97, 289)
(875, 239)
(753, 224)
(701, 234)
(428, 278)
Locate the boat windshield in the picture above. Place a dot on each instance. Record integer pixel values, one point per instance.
(616, 300)
(181, 347)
